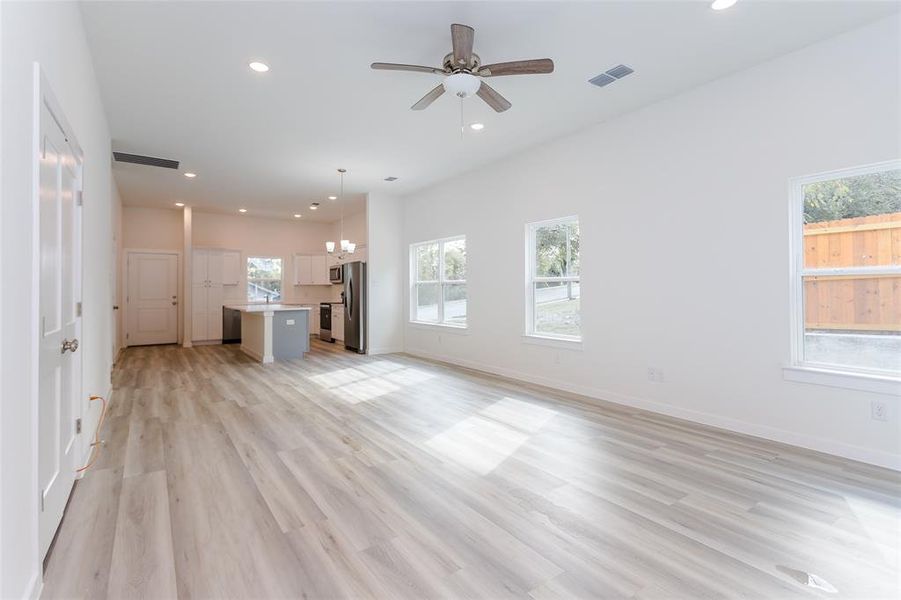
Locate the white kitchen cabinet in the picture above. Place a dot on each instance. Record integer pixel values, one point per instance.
(303, 269)
(310, 269)
(231, 267)
(206, 298)
(320, 270)
(314, 320)
(338, 322)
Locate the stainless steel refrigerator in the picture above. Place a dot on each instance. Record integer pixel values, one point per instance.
(355, 306)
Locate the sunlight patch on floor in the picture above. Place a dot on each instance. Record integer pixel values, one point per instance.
(483, 441)
(363, 391)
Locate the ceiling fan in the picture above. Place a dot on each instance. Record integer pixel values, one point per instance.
(463, 71)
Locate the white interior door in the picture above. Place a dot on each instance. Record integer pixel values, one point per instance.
(152, 299)
(59, 383)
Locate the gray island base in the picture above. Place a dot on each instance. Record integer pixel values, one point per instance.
(271, 332)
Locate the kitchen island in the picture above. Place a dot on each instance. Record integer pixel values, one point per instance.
(271, 332)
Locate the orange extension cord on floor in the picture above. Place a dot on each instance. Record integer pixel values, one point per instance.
(95, 445)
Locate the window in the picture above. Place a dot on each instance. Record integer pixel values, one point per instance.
(553, 282)
(847, 270)
(438, 289)
(264, 279)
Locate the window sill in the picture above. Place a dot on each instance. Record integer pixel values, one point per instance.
(864, 382)
(457, 329)
(553, 342)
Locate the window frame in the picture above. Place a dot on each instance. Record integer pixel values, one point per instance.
(248, 278)
(441, 282)
(800, 369)
(531, 334)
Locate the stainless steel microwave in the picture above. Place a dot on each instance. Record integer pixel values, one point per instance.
(336, 274)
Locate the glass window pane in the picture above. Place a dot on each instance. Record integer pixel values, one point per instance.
(455, 303)
(427, 302)
(853, 221)
(557, 308)
(853, 321)
(426, 257)
(455, 260)
(574, 238)
(550, 250)
(264, 278)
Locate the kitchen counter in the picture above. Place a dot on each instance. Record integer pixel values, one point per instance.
(271, 332)
(263, 307)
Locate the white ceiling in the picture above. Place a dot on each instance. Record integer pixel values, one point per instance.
(175, 84)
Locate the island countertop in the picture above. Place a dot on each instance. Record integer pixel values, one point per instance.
(264, 308)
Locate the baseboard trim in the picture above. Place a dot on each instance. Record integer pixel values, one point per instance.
(385, 350)
(806, 442)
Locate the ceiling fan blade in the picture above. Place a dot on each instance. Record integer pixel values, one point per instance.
(518, 67)
(461, 37)
(492, 98)
(379, 66)
(426, 100)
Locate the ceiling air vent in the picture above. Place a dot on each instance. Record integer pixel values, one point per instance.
(150, 161)
(611, 75)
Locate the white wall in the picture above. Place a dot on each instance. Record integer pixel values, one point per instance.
(684, 219)
(386, 273)
(51, 34)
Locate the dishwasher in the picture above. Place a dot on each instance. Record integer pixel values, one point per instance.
(231, 326)
(325, 322)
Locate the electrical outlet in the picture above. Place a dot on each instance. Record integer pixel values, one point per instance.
(878, 410)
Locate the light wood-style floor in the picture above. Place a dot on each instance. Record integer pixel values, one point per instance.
(344, 476)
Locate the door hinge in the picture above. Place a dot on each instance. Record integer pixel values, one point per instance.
(126, 336)
(42, 500)
(78, 309)
(78, 425)
(79, 198)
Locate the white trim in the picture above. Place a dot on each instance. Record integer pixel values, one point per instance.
(441, 282)
(797, 271)
(850, 380)
(458, 329)
(802, 441)
(126, 253)
(388, 350)
(530, 335)
(570, 343)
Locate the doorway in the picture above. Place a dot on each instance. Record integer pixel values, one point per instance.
(58, 248)
(151, 298)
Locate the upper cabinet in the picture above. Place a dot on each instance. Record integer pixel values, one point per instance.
(231, 267)
(310, 269)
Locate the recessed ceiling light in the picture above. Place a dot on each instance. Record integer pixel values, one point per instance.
(179, 204)
(392, 178)
(297, 216)
(333, 197)
(314, 206)
(722, 4)
(259, 67)
(477, 126)
(191, 175)
(242, 210)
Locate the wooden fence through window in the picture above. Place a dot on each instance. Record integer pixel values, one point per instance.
(853, 302)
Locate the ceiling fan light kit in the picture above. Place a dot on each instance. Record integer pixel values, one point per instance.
(462, 84)
(464, 72)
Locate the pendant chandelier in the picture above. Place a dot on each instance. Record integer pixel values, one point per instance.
(346, 246)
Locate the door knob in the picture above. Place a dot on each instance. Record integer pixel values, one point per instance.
(70, 345)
